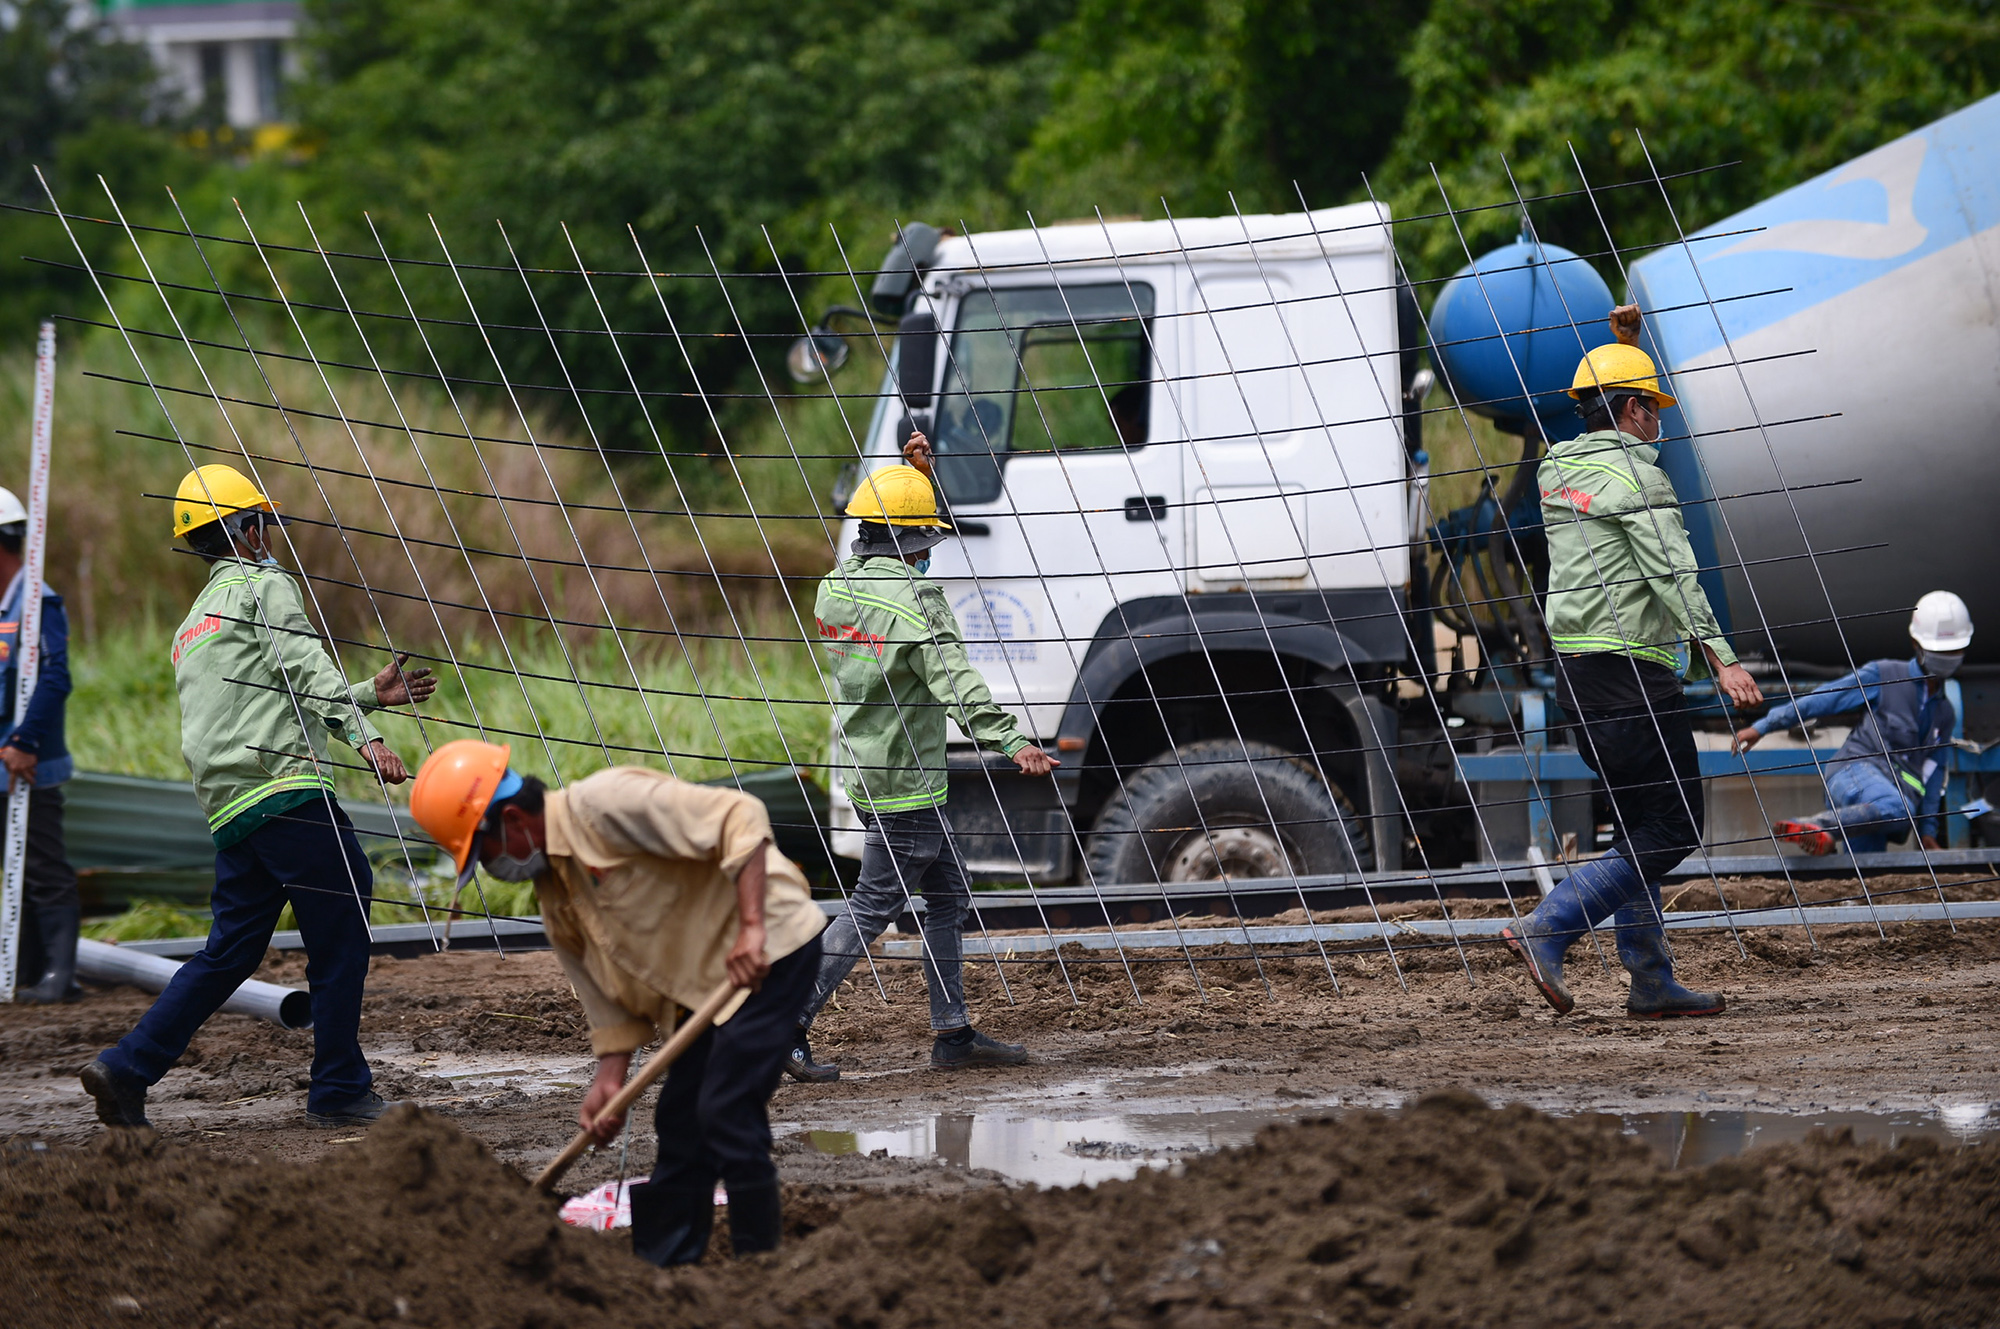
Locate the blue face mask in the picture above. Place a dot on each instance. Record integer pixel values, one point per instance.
(922, 565)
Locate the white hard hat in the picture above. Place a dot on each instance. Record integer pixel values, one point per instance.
(1941, 623)
(11, 510)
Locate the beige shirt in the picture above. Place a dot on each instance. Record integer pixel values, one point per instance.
(639, 901)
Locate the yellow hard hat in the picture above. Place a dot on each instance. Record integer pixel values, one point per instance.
(1617, 365)
(213, 492)
(896, 496)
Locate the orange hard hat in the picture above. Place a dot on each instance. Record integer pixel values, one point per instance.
(457, 784)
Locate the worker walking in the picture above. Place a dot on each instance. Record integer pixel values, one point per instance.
(896, 652)
(652, 891)
(258, 696)
(1622, 602)
(34, 752)
(1891, 771)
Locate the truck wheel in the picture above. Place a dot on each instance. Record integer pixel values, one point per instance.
(1200, 814)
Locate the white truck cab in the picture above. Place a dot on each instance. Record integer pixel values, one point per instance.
(1175, 454)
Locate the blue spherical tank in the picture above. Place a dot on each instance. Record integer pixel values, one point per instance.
(1552, 307)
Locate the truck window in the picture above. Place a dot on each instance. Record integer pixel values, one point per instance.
(1039, 369)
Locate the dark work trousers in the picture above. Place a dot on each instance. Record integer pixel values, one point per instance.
(711, 1117)
(307, 857)
(49, 883)
(1653, 776)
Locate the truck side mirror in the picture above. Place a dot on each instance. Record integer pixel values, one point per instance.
(912, 252)
(916, 360)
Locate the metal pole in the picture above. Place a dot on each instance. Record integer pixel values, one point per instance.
(28, 651)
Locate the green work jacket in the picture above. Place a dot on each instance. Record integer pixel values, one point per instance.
(895, 652)
(1621, 572)
(259, 695)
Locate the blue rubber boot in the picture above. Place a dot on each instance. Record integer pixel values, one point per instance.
(1579, 902)
(1642, 949)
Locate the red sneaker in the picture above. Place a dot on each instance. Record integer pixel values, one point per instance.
(1814, 838)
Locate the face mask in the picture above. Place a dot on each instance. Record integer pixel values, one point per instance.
(922, 565)
(509, 868)
(1940, 664)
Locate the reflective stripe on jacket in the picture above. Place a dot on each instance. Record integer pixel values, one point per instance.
(259, 694)
(42, 730)
(894, 648)
(1621, 571)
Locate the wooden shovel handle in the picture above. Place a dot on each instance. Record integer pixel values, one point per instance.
(692, 1028)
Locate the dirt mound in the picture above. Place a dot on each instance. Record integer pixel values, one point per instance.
(416, 1222)
(1446, 1213)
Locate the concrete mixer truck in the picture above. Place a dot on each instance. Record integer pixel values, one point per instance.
(1185, 461)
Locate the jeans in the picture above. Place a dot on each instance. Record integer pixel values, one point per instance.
(308, 857)
(904, 854)
(1869, 807)
(712, 1114)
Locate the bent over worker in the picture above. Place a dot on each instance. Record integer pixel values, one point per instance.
(33, 749)
(1891, 771)
(259, 696)
(653, 890)
(1623, 602)
(896, 652)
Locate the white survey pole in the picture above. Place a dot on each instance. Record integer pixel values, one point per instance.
(28, 651)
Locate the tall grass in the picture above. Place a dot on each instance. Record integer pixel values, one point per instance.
(400, 527)
(701, 712)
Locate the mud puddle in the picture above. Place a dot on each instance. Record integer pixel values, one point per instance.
(1084, 1150)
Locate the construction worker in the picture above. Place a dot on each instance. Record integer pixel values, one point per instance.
(33, 750)
(259, 695)
(653, 891)
(1622, 603)
(897, 654)
(1890, 773)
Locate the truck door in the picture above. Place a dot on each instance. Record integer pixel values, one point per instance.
(1295, 468)
(1062, 467)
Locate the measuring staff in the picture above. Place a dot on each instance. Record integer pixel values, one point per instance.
(33, 750)
(899, 659)
(258, 696)
(652, 890)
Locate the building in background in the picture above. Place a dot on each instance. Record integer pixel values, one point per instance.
(230, 58)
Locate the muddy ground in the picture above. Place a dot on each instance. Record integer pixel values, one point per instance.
(1910, 1020)
(1447, 1213)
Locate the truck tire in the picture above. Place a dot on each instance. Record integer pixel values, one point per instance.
(1200, 813)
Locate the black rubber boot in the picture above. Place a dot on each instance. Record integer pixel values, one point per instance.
(59, 924)
(755, 1219)
(361, 1112)
(799, 1064)
(978, 1050)
(671, 1225)
(1642, 949)
(121, 1101)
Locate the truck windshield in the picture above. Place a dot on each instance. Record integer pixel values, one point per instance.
(1042, 369)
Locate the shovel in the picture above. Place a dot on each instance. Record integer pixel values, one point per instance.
(692, 1028)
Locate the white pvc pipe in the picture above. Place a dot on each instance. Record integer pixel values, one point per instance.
(104, 963)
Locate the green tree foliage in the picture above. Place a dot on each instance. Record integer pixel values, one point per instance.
(728, 133)
(1783, 91)
(76, 102)
(1199, 99)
